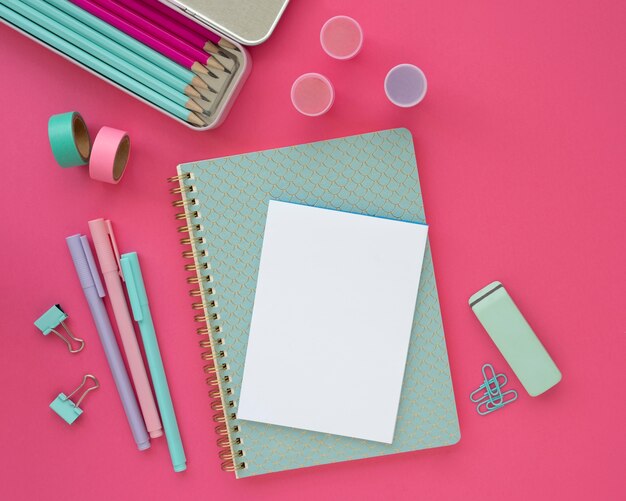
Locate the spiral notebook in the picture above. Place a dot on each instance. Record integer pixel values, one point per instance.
(225, 204)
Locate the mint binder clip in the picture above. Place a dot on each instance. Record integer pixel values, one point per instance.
(66, 408)
(51, 319)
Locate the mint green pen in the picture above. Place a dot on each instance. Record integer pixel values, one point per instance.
(141, 312)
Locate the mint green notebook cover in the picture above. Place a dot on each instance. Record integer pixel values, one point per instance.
(226, 200)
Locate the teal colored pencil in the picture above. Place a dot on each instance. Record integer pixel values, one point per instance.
(43, 16)
(122, 39)
(111, 46)
(98, 66)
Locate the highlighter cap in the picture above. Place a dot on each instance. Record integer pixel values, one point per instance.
(134, 283)
(105, 245)
(84, 263)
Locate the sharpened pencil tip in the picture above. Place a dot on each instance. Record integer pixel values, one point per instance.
(196, 81)
(199, 69)
(203, 104)
(191, 92)
(227, 45)
(216, 65)
(207, 94)
(193, 106)
(196, 120)
(211, 48)
(210, 79)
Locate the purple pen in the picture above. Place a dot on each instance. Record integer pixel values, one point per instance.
(94, 292)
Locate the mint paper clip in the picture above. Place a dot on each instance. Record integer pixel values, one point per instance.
(66, 408)
(50, 320)
(489, 396)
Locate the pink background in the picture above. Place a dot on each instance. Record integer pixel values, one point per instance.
(520, 146)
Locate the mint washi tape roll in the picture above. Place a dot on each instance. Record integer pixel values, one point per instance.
(69, 139)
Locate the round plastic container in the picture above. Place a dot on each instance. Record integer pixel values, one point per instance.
(312, 94)
(405, 85)
(341, 37)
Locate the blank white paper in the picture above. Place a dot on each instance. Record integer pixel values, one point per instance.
(331, 325)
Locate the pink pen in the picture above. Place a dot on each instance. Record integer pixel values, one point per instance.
(109, 259)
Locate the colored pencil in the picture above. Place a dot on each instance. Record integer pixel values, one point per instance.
(17, 19)
(170, 72)
(66, 27)
(191, 38)
(140, 36)
(122, 11)
(190, 24)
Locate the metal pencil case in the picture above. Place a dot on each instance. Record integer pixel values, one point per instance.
(241, 22)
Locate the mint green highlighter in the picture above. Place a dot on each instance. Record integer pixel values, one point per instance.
(517, 342)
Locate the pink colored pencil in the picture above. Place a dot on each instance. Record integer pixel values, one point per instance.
(140, 29)
(167, 22)
(130, 30)
(120, 9)
(192, 26)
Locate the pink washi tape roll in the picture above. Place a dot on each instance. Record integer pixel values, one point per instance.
(109, 155)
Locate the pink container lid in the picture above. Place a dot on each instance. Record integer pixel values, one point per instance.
(405, 85)
(312, 94)
(341, 37)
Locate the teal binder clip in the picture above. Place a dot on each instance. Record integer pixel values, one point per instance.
(489, 395)
(66, 408)
(51, 319)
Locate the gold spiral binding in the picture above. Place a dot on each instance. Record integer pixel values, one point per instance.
(182, 215)
(232, 466)
(197, 280)
(191, 241)
(185, 229)
(190, 254)
(214, 354)
(181, 189)
(179, 178)
(184, 203)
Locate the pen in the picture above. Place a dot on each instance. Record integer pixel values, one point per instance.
(108, 257)
(141, 311)
(94, 292)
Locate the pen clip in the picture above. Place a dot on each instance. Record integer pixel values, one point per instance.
(131, 288)
(116, 252)
(95, 276)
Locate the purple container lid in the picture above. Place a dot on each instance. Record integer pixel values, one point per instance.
(405, 85)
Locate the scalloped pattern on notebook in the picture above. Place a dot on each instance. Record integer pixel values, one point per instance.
(373, 174)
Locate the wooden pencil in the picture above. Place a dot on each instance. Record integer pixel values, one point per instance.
(122, 11)
(126, 46)
(188, 26)
(154, 43)
(67, 28)
(17, 19)
(168, 23)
